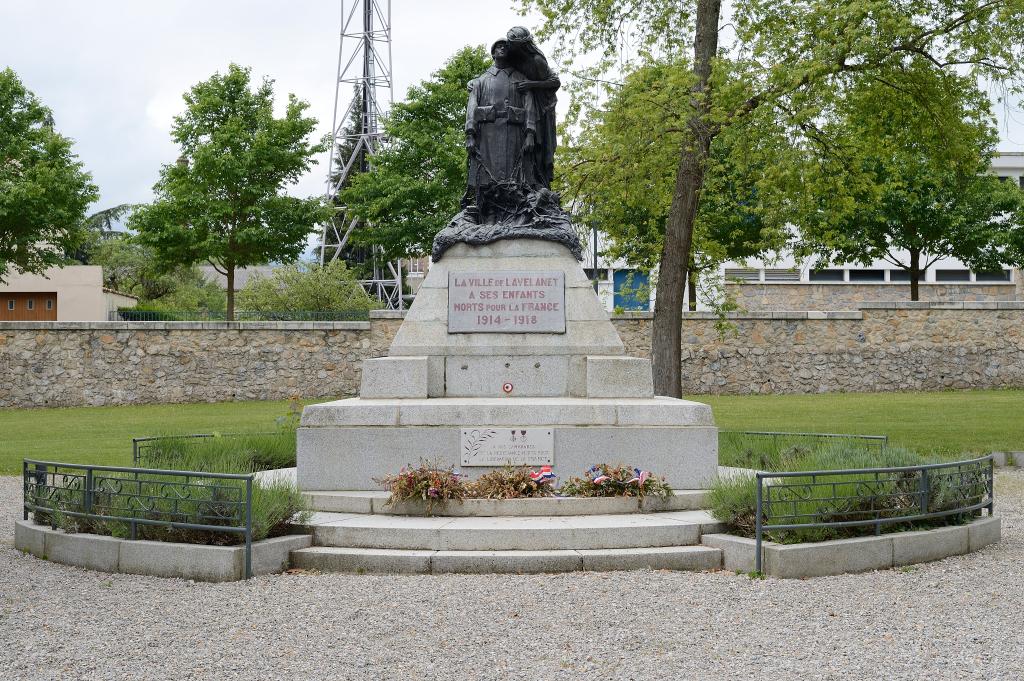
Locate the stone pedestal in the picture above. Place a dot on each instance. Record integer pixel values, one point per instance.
(593, 403)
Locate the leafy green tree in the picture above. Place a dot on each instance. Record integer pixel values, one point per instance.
(44, 190)
(417, 179)
(224, 201)
(99, 227)
(910, 183)
(302, 287)
(794, 57)
(131, 267)
(620, 171)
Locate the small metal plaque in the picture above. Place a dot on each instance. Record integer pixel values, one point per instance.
(505, 446)
(506, 302)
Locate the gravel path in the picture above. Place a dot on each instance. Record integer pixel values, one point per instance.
(960, 618)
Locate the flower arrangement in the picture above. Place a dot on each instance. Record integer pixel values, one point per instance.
(605, 480)
(428, 482)
(433, 484)
(513, 483)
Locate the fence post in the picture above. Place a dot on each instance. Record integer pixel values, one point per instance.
(248, 528)
(991, 486)
(758, 528)
(24, 489)
(87, 492)
(923, 491)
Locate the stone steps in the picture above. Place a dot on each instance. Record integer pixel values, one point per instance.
(376, 503)
(537, 533)
(403, 561)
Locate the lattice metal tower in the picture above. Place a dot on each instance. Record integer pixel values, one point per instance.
(364, 73)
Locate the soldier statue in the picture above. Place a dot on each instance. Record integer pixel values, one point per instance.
(510, 144)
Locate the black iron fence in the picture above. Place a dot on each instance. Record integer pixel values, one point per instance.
(870, 497)
(767, 449)
(133, 497)
(133, 315)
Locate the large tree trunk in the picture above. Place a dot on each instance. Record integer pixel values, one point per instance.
(915, 274)
(229, 269)
(666, 335)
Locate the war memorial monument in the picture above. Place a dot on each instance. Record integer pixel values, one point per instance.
(506, 356)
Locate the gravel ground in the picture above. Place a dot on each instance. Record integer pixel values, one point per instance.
(960, 618)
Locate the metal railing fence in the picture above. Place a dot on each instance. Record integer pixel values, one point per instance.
(183, 500)
(132, 315)
(870, 496)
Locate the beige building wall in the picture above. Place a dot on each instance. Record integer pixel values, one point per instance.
(79, 290)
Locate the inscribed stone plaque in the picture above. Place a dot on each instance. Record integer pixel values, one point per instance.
(506, 302)
(500, 446)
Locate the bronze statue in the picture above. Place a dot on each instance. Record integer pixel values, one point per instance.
(510, 143)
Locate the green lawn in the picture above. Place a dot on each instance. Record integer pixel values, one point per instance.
(946, 422)
(943, 422)
(103, 435)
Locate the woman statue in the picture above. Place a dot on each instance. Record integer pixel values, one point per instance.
(527, 58)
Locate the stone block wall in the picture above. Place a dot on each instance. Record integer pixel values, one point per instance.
(883, 347)
(63, 364)
(754, 297)
(880, 347)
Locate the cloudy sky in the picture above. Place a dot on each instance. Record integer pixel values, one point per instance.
(114, 71)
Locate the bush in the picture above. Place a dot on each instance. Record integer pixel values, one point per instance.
(733, 499)
(509, 483)
(249, 451)
(428, 483)
(604, 480)
(274, 505)
(306, 288)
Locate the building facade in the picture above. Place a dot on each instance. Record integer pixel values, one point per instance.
(69, 294)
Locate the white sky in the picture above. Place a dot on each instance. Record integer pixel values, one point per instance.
(114, 71)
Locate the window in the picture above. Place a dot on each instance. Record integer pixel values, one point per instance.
(781, 275)
(867, 275)
(10, 305)
(1004, 178)
(1020, 181)
(30, 304)
(994, 275)
(49, 304)
(827, 275)
(952, 275)
(743, 274)
(602, 273)
(415, 266)
(901, 275)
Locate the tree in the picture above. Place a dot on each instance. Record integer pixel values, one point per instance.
(796, 57)
(418, 177)
(99, 227)
(306, 288)
(620, 170)
(44, 190)
(904, 177)
(224, 200)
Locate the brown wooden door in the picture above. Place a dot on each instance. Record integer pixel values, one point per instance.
(28, 307)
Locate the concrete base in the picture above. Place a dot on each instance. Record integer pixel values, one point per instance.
(344, 445)
(159, 559)
(857, 554)
(377, 503)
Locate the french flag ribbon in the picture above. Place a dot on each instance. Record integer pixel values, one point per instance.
(543, 475)
(596, 476)
(639, 477)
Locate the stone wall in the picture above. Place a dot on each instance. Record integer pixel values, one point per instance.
(880, 347)
(95, 363)
(845, 296)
